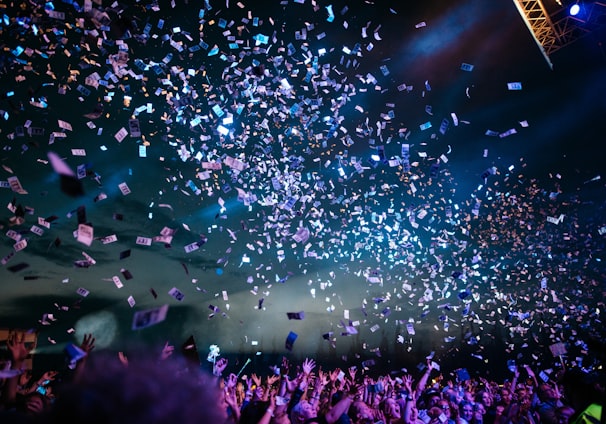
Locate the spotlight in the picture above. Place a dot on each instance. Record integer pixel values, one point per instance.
(103, 325)
(574, 9)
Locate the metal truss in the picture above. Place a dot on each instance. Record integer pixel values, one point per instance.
(554, 31)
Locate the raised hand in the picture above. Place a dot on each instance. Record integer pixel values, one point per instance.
(17, 349)
(334, 374)
(49, 375)
(220, 366)
(322, 379)
(271, 379)
(24, 377)
(123, 358)
(324, 376)
(407, 383)
(308, 366)
(88, 343)
(232, 380)
(355, 389)
(256, 379)
(167, 351)
(529, 370)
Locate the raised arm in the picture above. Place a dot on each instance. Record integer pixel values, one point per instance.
(410, 399)
(319, 385)
(300, 383)
(342, 406)
(514, 381)
(531, 374)
(231, 400)
(167, 351)
(269, 412)
(87, 345)
(423, 380)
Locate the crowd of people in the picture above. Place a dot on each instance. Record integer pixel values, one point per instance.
(105, 388)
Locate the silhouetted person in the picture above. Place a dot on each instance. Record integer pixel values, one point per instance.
(142, 392)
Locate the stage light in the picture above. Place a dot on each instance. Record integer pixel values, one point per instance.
(574, 9)
(102, 325)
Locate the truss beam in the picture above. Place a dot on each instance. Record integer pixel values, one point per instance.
(558, 30)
